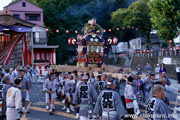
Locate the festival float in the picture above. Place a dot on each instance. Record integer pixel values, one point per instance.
(91, 47)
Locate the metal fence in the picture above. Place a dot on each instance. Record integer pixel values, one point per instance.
(148, 53)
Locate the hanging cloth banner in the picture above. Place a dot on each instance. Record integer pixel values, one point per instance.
(20, 28)
(121, 47)
(1, 27)
(135, 43)
(16, 28)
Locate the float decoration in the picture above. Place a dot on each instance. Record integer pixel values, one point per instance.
(91, 47)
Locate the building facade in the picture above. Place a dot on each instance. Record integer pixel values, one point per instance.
(38, 52)
(27, 11)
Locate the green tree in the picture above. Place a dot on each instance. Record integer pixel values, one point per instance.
(136, 15)
(165, 18)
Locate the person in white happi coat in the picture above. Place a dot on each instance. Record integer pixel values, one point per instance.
(99, 85)
(130, 98)
(156, 109)
(15, 73)
(69, 91)
(13, 101)
(47, 76)
(6, 86)
(109, 105)
(60, 78)
(10, 76)
(167, 89)
(92, 79)
(24, 86)
(85, 95)
(62, 84)
(28, 75)
(51, 87)
(168, 82)
(147, 87)
(34, 73)
(78, 83)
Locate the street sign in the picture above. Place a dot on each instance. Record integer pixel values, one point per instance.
(167, 60)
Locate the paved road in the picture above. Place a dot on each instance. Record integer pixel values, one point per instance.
(37, 108)
(38, 112)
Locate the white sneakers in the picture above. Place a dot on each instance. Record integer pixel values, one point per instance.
(51, 112)
(72, 108)
(77, 115)
(63, 102)
(68, 111)
(47, 107)
(64, 107)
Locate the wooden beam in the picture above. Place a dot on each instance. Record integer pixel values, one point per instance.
(8, 20)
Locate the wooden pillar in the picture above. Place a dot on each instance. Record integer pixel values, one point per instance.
(55, 56)
(32, 50)
(22, 49)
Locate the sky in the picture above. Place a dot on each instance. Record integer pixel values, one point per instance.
(4, 3)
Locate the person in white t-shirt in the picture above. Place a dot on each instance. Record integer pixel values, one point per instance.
(178, 73)
(157, 69)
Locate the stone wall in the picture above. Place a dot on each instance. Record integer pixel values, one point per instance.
(143, 61)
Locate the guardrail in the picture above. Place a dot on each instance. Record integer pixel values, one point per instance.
(148, 53)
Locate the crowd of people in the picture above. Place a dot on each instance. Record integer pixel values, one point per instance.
(16, 90)
(104, 95)
(159, 69)
(107, 96)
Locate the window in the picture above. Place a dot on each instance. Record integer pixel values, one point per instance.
(33, 18)
(16, 15)
(37, 37)
(24, 4)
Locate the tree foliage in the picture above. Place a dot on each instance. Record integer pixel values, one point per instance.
(165, 18)
(136, 15)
